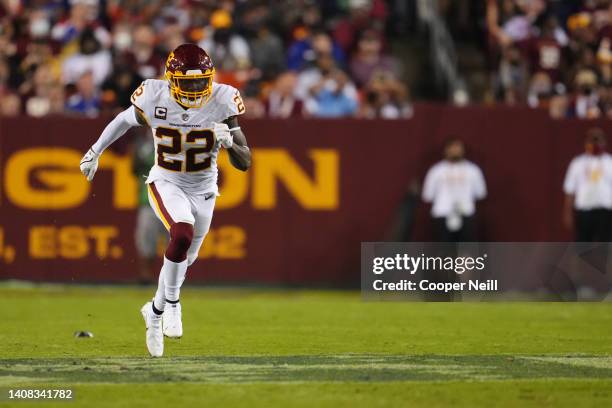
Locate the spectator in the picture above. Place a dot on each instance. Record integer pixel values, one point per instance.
(369, 59)
(326, 90)
(170, 37)
(333, 96)
(540, 91)
(39, 26)
(38, 54)
(582, 31)
(585, 104)
(7, 34)
(588, 191)
(512, 77)
(362, 14)
(82, 16)
(559, 104)
(304, 52)
(171, 13)
(453, 186)
(604, 59)
(300, 17)
(122, 42)
(86, 101)
(255, 108)
(268, 53)
(547, 50)
(56, 99)
(512, 22)
(324, 66)
(118, 89)
(228, 49)
(386, 98)
(42, 99)
(10, 105)
(142, 56)
(529, 34)
(605, 101)
(5, 73)
(122, 39)
(90, 58)
(281, 102)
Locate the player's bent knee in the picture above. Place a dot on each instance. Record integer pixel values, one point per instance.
(181, 235)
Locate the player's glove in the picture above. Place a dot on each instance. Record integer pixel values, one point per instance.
(223, 135)
(89, 164)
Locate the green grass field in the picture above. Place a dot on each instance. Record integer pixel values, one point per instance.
(305, 348)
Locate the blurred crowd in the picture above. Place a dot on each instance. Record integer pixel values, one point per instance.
(555, 54)
(295, 58)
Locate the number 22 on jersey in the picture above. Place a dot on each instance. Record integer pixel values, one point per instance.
(190, 163)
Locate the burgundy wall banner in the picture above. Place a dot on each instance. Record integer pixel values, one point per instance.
(316, 190)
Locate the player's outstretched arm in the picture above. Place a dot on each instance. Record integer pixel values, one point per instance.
(239, 152)
(114, 130)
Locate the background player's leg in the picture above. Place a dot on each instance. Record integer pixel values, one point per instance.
(147, 233)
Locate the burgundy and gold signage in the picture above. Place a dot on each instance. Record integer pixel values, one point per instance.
(317, 188)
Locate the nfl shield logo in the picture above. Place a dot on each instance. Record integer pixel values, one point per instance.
(185, 117)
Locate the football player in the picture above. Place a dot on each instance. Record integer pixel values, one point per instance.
(192, 117)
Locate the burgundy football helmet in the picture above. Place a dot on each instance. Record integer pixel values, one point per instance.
(189, 70)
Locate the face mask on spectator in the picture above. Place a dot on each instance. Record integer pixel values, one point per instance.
(122, 41)
(595, 148)
(40, 28)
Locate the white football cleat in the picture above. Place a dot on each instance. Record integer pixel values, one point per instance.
(155, 335)
(172, 323)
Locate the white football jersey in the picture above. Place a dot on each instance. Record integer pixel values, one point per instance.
(185, 144)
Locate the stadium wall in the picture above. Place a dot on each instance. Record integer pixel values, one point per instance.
(317, 188)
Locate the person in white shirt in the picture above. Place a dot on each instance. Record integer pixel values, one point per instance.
(453, 186)
(588, 191)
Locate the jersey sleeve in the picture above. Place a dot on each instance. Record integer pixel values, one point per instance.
(429, 185)
(140, 98)
(570, 183)
(480, 186)
(232, 102)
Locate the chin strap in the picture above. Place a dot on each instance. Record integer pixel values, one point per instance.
(234, 128)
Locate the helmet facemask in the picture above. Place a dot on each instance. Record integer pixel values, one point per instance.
(191, 89)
